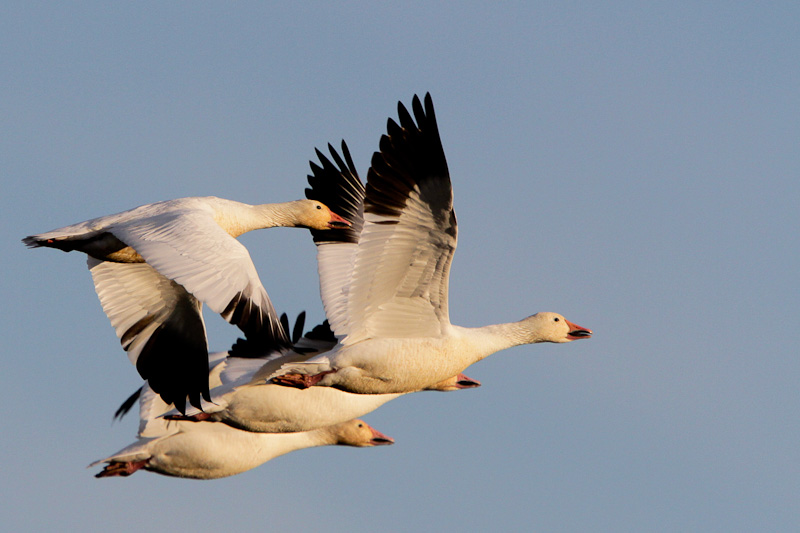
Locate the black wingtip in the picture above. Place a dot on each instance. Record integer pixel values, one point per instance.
(174, 361)
(284, 321)
(335, 182)
(322, 332)
(128, 404)
(299, 324)
(410, 157)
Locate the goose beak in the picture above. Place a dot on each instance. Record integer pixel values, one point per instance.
(379, 439)
(464, 382)
(577, 332)
(337, 222)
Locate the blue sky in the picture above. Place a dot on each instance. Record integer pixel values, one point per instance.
(633, 166)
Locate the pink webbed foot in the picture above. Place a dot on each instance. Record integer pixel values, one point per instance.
(199, 417)
(301, 381)
(123, 469)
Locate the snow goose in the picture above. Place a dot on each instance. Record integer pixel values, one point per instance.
(245, 401)
(154, 266)
(392, 317)
(211, 451)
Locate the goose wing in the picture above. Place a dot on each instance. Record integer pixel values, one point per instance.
(191, 249)
(159, 324)
(400, 276)
(247, 356)
(337, 185)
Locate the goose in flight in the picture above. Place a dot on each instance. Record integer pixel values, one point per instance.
(154, 266)
(210, 451)
(388, 302)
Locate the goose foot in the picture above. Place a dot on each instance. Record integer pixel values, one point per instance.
(123, 469)
(300, 381)
(199, 417)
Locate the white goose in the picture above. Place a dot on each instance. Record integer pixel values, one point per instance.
(210, 451)
(154, 266)
(392, 317)
(244, 400)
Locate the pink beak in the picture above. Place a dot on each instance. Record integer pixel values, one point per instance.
(576, 332)
(379, 439)
(337, 222)
(464, 382)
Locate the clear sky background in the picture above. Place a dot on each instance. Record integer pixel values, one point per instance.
(633, 166)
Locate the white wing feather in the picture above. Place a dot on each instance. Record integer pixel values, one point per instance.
(190, 248)
(400, 278)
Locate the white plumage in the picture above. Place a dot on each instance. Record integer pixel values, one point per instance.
(209, 451)
(391, 315)
(154, 266)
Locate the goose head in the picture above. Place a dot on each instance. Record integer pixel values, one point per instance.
(552, 327)
(359, 433)
(316, 215)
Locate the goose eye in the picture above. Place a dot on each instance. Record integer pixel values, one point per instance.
(555, 319)
(319, 207)
(361, 425)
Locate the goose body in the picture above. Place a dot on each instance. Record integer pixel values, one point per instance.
(210, 451)
(385, 289)
(154, 266)
(272, 408)
(241, 398)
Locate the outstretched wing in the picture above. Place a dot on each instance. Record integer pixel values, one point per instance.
(190, 248)
(338, 186)
(400, 276)
(159, 324)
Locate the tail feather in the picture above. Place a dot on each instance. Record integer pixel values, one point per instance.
(33, 241)
(65, 243)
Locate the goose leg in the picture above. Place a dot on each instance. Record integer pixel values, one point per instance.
(121, 469)
(199, 417)
(301, 381)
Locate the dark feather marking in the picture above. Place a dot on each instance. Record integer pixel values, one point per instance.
(321, 332)
(262, 333)
(339, 187)
(174, 360)
(411, 158)
(285, 321)
(297, 332)
(127, 404)
(97, 245)
(135, 330)
(262, 340)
